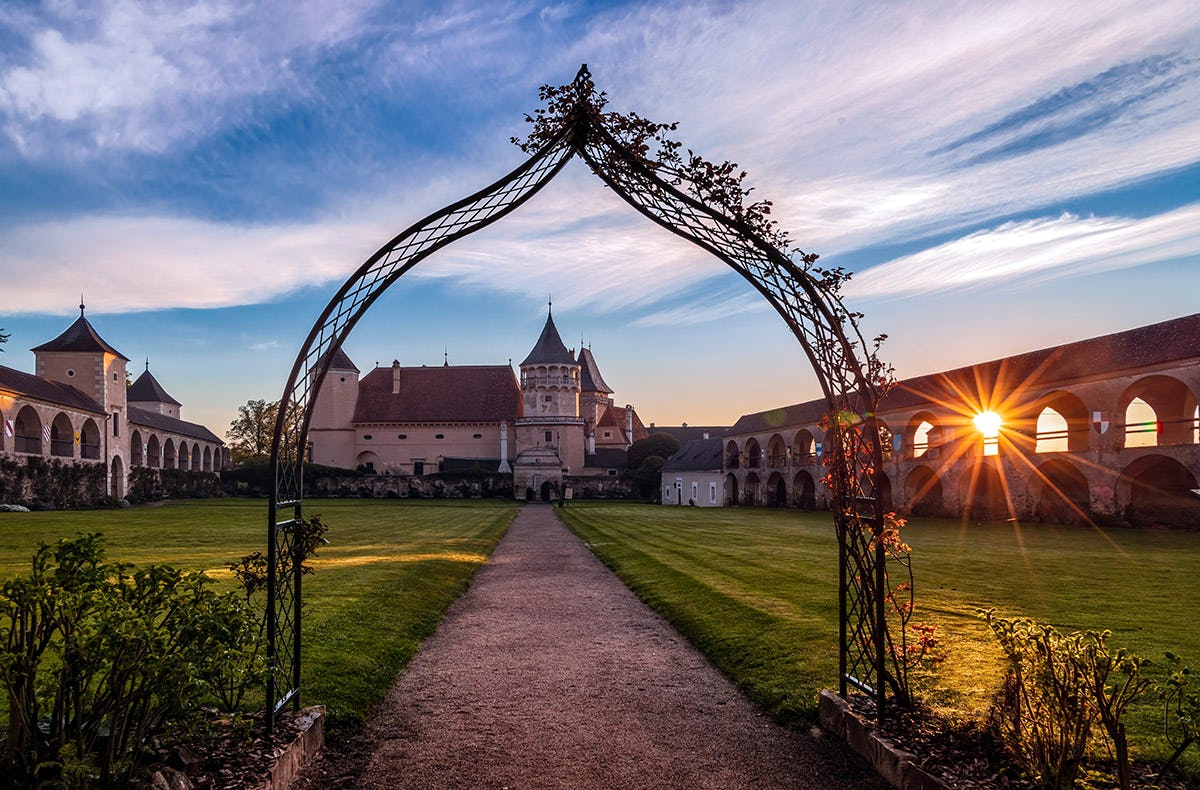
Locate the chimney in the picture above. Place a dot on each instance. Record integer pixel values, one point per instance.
(395, 377)
(629, 423)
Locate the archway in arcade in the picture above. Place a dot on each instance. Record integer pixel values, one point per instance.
(682, 197)
(27, 431)
(118, 478)
(923, 437)
(732, 455)
(731, 489)
(1159, 411)
(806, 491)
(1060, 493)
(879, 487)
(751, 493)
(923, 490)
(62, 437)
(776, 491)
(776, 452)
(802, 448)
(1157, 491)
(984, 497)
(753, 454)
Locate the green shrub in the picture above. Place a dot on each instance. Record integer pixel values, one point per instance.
(1181, 711)
(1056, 688)
(98, 656)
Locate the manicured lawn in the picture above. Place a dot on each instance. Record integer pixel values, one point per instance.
(381, 585)
(756, 590)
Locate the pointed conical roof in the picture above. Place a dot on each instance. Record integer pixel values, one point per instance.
(147, 390)
(549, 349)
(590, 379)
(79, 337)
(341, 361)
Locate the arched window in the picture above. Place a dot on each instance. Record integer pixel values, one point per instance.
(184, 456)
(776, 451)
(89, 440)
(750, 496)
(169, 454)
(926, 437)
(137, 456)
(207, 459)
(802, 447)
(62, 437)
(732, 458)
(27, 431)
(196, 458)
(1141, 424)
(1052, 432)
(753, 454)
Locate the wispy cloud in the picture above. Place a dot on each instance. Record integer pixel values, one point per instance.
(1032, 250)
(125, 76)
(865, 123)
(132, 264)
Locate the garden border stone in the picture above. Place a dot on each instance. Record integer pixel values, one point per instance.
(304, 748)
(891, 762)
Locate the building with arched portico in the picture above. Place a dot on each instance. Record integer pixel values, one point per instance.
(1102, 429)
(80, 408)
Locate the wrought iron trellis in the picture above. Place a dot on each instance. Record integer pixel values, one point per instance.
(813, 312)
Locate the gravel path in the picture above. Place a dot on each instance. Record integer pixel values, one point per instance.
(550, 673)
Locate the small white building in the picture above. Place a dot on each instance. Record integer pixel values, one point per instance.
(692, 476)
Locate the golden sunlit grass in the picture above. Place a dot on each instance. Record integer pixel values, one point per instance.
(756, 590)
(381, 585)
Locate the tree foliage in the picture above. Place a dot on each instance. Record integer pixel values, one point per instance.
(251, 432)
(664, 445)
(3, 339)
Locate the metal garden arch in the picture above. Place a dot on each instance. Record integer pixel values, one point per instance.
(808, 304)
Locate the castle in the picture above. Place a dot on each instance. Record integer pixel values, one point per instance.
(79, 407)
(556, 422)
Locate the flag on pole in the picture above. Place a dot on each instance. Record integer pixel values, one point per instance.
(818, 449)
(8, 428)
(45, 433)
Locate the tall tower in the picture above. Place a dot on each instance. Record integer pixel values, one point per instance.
(331, 431)
(81, 358)
(549, 433)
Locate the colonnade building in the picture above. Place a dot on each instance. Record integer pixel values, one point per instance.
(1103, 429)
(80, 408)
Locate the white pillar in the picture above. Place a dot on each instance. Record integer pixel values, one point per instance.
(504, 468)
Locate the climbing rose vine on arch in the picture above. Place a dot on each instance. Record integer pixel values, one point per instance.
(722, 187)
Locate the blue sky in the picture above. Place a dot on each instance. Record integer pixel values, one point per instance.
(1000, 177)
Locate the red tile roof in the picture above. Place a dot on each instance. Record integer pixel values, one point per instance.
(148, 419)
(459, 393)
(37, 388)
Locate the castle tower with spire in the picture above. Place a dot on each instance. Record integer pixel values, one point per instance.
(550, 431)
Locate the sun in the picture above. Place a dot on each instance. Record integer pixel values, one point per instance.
(988, 423)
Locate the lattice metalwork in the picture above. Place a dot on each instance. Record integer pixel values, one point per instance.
(813, 313)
